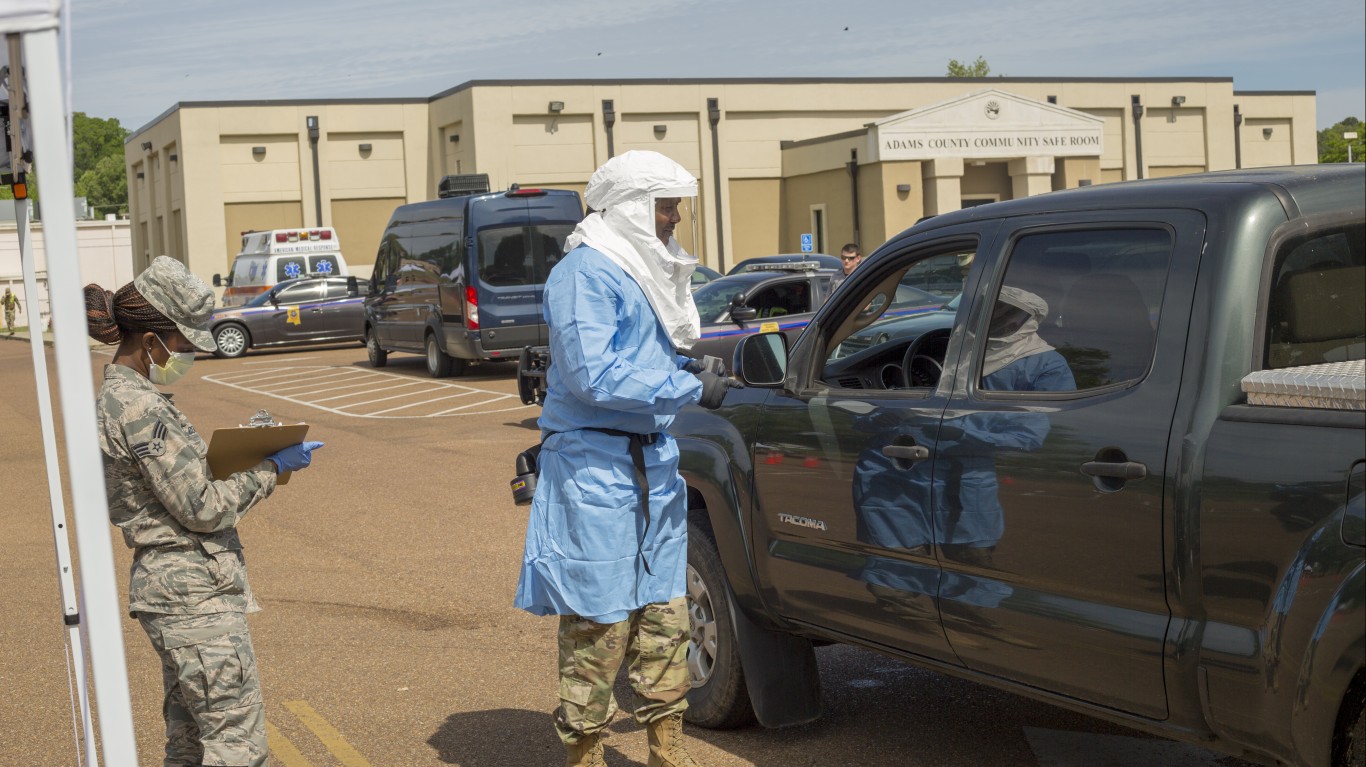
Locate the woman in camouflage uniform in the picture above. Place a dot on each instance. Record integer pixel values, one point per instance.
(188, 587)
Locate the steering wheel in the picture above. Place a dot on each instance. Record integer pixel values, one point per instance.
(921, 369)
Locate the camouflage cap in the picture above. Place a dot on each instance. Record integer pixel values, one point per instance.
(182, 297)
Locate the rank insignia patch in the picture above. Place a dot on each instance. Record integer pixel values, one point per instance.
(154, 447)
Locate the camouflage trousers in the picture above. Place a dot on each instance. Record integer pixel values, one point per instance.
(9, 320)
(654, 644)
(213, 707)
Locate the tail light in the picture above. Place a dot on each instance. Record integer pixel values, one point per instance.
(281, 237)
(327, 234)
(471, 308)
(519, 192)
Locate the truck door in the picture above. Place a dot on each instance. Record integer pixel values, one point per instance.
(1051, 458)
(843, 505)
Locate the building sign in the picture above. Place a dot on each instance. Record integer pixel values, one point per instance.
(988, 125)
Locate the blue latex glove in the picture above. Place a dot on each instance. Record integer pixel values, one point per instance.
(294, 457)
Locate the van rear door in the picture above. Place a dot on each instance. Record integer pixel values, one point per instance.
(515, 246)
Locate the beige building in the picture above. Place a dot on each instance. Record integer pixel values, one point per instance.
(840, 159)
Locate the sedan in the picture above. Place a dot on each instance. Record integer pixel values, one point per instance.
(748, 265)
(308, 310)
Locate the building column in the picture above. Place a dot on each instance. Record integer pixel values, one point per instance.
(1030, 176)
(943, 185)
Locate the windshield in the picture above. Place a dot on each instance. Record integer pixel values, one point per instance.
(260, 300)
(713, 299)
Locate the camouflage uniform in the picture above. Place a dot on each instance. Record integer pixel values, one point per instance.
(189, 583)
(11, 303)
(654, 641)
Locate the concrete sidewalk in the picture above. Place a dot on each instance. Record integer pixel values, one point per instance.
(23, 335)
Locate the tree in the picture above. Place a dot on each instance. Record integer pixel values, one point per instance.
(1333, 147)
(93, 139)
(978, 68)
(97, 164)
(105, 186)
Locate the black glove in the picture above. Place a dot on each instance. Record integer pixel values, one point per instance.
(708, 363)
(714, 389)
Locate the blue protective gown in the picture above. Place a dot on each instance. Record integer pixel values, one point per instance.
(612, 366)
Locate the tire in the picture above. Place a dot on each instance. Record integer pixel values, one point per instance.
(439, 363)
(1350, 748)
(378, 357)
(719, 698)
(233, 340)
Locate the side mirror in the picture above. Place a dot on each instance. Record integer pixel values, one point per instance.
(761, 360)
(218, 280)
(274, 299)
(743, 313)
(352, 286)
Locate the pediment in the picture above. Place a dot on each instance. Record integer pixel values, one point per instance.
(990, 123)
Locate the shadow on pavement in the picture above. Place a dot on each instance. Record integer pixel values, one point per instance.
(509, 737)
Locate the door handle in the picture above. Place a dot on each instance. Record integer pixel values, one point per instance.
(1115, 470)
(907, 452)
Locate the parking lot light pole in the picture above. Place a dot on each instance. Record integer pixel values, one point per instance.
(1350, 136)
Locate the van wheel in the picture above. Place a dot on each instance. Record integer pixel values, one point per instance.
(718, 698)
(232, 341)
(439, 363)
(378, 357)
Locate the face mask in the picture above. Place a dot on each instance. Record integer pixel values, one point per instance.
(177, 365)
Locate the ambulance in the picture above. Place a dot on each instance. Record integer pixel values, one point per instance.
(275, 255)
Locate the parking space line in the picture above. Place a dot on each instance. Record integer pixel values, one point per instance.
(393, 396)
(423, 402)
(359, 381)
(284, 751)
(279, 374)
(330, 377)
(358, 393)
(476, 404)
(333, 740)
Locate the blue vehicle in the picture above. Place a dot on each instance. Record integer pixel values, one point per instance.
(460, 279)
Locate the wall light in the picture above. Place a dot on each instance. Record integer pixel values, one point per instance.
(1052, 99)
(146, 146)
(175, 158)
(141, 175)
(1266, 133)
(365, 147)
(556, 106)
(660, 130)
(903, 188)
(1178, 100)
(258, 151)
(455, 138)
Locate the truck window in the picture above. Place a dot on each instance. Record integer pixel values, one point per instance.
(1317, 301)
(1093, 296)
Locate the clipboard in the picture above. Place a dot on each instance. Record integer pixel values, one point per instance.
(241, 448)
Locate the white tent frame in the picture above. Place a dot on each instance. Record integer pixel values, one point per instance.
(31, 29)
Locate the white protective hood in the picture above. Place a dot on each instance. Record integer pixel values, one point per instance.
(622, 227)
(1024, 341)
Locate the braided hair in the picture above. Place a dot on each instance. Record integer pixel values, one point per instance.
(112, 315)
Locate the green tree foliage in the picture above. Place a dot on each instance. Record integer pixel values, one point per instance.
(105, 186)
(1333, 147)
(978, 68)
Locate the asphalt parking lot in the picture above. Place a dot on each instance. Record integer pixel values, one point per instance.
(386, 572)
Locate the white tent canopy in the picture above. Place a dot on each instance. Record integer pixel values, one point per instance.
(31, 31)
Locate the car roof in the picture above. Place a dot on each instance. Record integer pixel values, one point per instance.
(827, 260)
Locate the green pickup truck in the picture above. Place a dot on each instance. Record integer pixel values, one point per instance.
(1125, 476)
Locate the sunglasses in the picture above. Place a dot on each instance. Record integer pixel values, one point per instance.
(849, 258)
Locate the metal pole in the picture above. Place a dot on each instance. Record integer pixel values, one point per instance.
(99, 598)
(1237, 137)
(714, 118)
(609, 118)
(312, 122)
(71, 615)
(852, 167)
(1138, 133)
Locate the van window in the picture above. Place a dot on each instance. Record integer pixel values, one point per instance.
(520, 255)
(290, 267)
(325, 265)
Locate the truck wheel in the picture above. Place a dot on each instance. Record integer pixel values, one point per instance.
(378, 357)
(232, 340)
(1351, 741)
(438, 362)
(718, 698)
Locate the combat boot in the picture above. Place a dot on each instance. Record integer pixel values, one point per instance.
(587, 752)
(666, 743)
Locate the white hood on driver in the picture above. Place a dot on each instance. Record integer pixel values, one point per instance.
(622, 227)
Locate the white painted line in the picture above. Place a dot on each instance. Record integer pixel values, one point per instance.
(366, 391)
(355, 382)
(396, 396)
(269, 375)
(414, 404)
(476, 404)
(316, 379)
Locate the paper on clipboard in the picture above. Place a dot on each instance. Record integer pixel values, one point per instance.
(241, 448)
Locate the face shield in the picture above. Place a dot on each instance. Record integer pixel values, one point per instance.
(674, 212)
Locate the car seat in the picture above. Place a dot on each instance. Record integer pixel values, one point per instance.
(1314, 312)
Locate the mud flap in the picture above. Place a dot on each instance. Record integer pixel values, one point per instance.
(780, 673)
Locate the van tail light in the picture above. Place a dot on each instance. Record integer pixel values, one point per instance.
(327, 234)
(281, 237)
(519, 192)
(471, 308)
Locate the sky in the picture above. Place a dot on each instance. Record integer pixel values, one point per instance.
(135, 59)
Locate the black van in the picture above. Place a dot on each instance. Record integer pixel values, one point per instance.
(460, 279)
